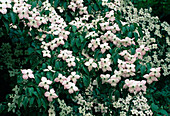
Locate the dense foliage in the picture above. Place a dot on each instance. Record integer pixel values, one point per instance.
(83, 58)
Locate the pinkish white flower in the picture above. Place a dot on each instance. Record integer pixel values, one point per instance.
(94, 44)
(51, 95)
(74, 77)
(60, 78)
(91, 64)
(45, 83)
(104, 47)
(72, 88)
(104, 78)
(27, 73)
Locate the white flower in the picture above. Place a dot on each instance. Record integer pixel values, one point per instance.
(51, 95)
(49, 69)
(45, 83)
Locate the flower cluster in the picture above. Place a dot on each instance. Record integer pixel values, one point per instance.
(138, 107)
(78, 4)
(135, 86)
(127, 69)
(66, 82)
(128, 57)
(4, 4)
(153, 75)
(105, 63)
(68, 57)
(27, 73)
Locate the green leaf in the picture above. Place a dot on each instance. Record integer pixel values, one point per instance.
(136, 36)
(132, 27)
(31, 101)
(130, 34)
(55, 3)
(81, 38)
(44, 103)
(117, 94)
(2, 108)
(20, 100)
(65, 5)
(138, 67)
(86, 81)
(132, 51)
(75, 49)
(30, 50)
(36, 94)
(57, 65)
(25, 102)
(148, 67)
(68, 18)
(164, 112)
(154, 107)
(143, 69)
(89, 9)
(74, 28)
(5, 16)
(78, 43)
(124, 30)
(39, 102)
(72, 42)
(49, 75)
(40, 3)
(85, 70)
(34, 4)
(6, 25)
(95, 7)
(115, 60)
(30, 90)
(13, 17)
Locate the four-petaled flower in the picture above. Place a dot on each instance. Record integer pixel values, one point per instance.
(27, 73)
(51, 95)
(45, 83)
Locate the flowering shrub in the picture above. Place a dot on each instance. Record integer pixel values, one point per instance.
(84, 58)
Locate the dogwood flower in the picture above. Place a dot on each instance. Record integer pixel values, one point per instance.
(104, 78)
(46, 53)
(49, 69)
(104, 47)
(155, 71)
(150, 78)
(72, 6)
(94, 44)
(91, 64)
(142, 50)
(83, 10)
(27, 73)
(60, 78)
(64, 54)
(104, 25)
(113, 80)
(135, 86)
(70, 61)
(45, 83)
(72, 88)
(51, 95)
(104, 64)
(74, 77)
